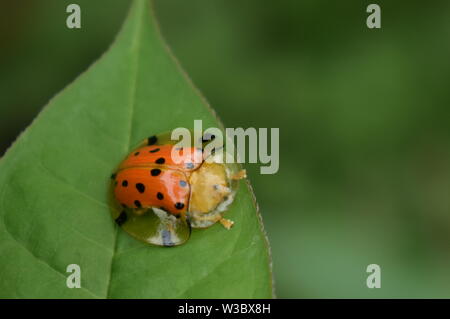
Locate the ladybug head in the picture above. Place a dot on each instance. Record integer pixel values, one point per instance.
(209, 187)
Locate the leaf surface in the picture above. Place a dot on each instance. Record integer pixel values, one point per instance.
(54, 188)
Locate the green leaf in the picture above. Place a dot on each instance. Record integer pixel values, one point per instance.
(54, 184)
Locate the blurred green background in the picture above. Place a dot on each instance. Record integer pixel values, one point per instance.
(363, 115)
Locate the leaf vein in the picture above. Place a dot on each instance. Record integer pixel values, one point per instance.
(133, 90)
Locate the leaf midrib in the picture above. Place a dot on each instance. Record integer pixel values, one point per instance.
(135, 46)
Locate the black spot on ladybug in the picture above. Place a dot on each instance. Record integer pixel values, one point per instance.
(208, 137)
(160, 195)
(189, 166)
(179, 205)
(213, 151)
(183, 183)
(154, 150)
(125, 183)
(155, 172)
(137, 203)
(160, 160)
(136, 154)
(121, 219)
(140, 187)
(152, 140)
(113, 176)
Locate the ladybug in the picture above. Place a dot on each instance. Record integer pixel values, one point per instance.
(161, 199)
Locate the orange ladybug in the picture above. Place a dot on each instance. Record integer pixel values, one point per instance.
(161, 199)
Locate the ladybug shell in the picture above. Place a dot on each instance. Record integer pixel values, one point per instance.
(161, 155)
(149, 177)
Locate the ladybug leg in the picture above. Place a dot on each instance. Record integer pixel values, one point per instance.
(239, 175)
(226, 223)
(214, 218)
(217, 218)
